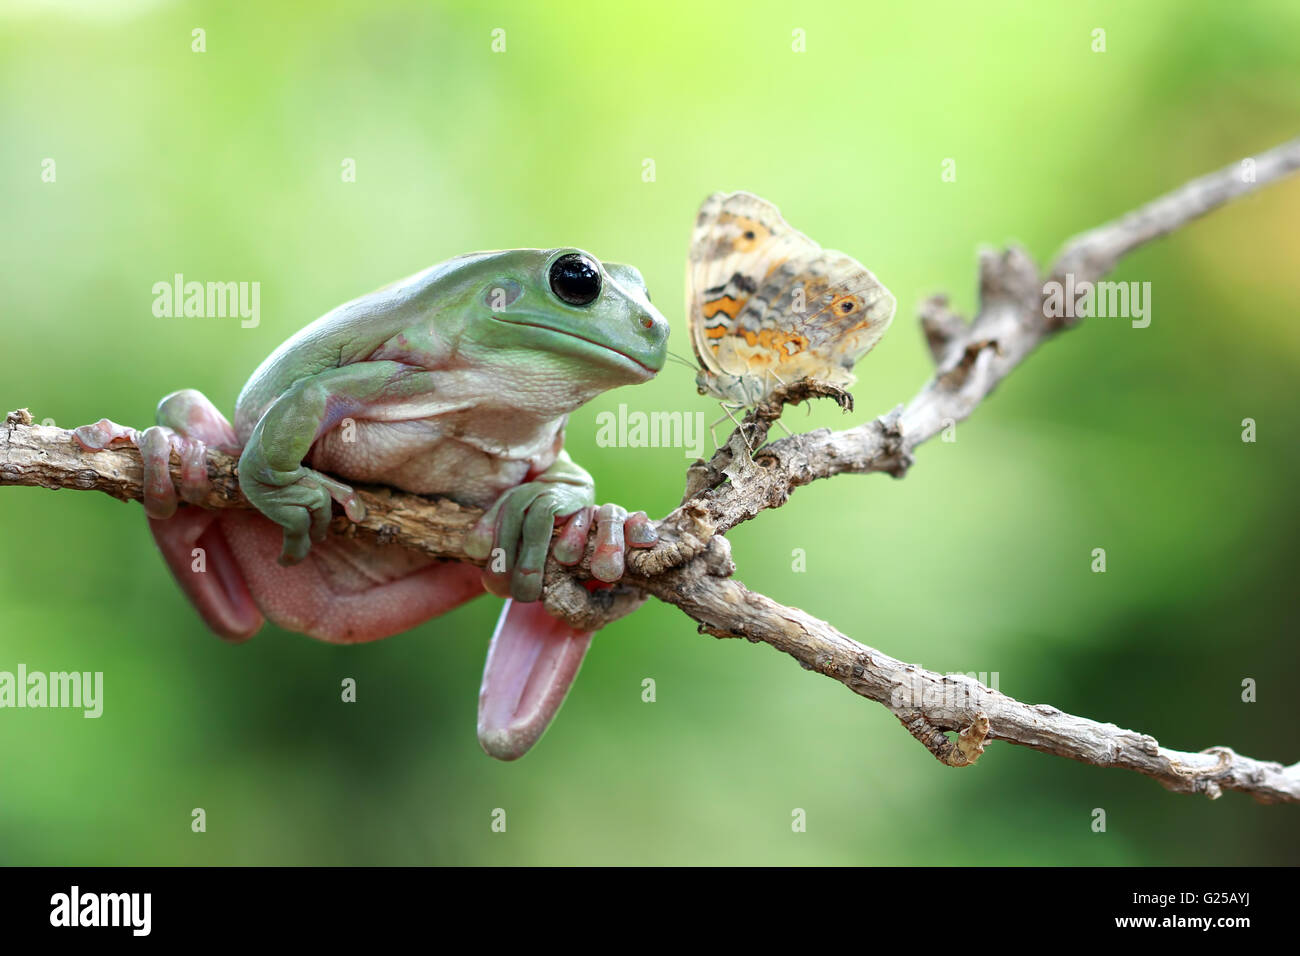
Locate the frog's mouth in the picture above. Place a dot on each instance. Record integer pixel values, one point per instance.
(582, 338)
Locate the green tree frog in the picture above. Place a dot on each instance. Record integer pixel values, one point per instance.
(457, 381)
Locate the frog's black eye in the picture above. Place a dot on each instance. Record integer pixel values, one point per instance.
(575, 279)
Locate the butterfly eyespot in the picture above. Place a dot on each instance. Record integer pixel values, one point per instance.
(846, 307)
(575, 279)
(749, 234)
(647, 322)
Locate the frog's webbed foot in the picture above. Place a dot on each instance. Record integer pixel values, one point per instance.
(155, 445)
(188, 424)
(531, 663)
(514, 537)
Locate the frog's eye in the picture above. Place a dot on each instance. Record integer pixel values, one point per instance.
(575, 279)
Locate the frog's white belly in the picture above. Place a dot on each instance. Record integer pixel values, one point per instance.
(439, 456)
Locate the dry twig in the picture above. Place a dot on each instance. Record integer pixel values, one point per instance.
(691, 566)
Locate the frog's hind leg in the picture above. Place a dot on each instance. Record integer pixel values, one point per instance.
(347, 590)
(190, 539)
(532, 662)
(194, 545)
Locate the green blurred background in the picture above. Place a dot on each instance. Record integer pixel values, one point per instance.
(226, 165)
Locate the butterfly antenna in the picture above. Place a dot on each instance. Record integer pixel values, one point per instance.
(681, 361)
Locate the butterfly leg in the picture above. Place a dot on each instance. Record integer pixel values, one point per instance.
(713, 433)
(782, 381)
(727, 413)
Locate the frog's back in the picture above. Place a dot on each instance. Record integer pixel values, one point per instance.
(344, 335)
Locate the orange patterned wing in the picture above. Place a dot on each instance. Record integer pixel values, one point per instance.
(767, 302)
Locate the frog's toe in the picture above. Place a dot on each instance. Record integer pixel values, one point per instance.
(104, 434)
(526, 584)
(320, 515)
(496, 570)
(526, 581)
(639, 531)
(571, 545)
(607, 560)
(155, 446)
(194, 470)
(478, 540)
(344, 494)
(297, 545)
(496, 584)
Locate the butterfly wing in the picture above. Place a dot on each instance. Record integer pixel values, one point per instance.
(739, 240)
(831, 311)
(767, 302)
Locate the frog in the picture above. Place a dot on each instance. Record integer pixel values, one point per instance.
(454, 382)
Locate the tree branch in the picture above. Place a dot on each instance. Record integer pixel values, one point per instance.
(691, 566)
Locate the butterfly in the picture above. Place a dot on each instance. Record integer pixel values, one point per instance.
(768, 306)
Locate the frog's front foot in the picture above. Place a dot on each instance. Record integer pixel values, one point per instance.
(298, 500)
(514, 537)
